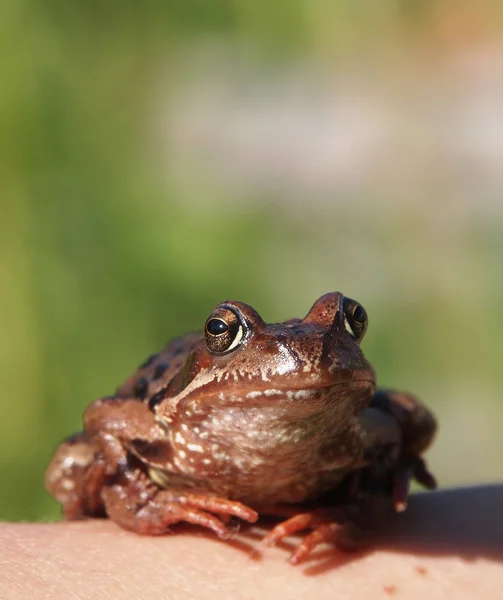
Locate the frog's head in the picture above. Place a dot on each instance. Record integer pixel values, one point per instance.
(243, 360)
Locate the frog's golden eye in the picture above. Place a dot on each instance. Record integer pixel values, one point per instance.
(223, 331)
(355, 318)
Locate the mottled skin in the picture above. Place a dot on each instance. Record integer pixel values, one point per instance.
(249, 419)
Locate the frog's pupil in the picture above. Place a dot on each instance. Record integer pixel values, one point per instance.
(359, 314)
(217, 326)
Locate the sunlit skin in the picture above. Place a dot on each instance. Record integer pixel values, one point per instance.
(248, 419)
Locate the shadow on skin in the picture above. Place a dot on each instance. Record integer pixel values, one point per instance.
(463, 522)
(466, 522)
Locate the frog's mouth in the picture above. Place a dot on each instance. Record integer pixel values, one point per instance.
(347, 395)
(351, 380)
(340, 386)
(310, 393)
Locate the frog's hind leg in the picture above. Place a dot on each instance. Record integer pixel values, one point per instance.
(67, 479)
(417, 428)
(417, 424)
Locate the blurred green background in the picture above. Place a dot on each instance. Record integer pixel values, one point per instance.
(159, 157)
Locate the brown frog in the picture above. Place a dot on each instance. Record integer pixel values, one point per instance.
(248, 419)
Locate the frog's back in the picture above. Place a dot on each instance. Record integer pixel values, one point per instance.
(158, 370)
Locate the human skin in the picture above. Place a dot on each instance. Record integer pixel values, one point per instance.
(449, 544)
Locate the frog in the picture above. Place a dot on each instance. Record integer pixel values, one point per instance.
(246, 420)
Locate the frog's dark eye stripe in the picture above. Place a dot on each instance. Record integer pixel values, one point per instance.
(159, 371)
(156, 398)
(149, 361)
(224, 330)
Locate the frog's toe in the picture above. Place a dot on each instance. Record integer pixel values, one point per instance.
(414, 468)
(423, 476)
(291, 526)
(322, 534)
(222, 506)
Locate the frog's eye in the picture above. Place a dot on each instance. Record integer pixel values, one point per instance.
(223, 331)
(355, 318)
(216, 327)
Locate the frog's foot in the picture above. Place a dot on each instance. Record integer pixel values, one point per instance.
(328, 525)
(414, 468)
(168, 507)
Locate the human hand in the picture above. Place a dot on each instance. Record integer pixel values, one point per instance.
(449, 544)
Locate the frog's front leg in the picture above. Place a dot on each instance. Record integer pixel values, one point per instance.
(138, 504)
(351, 514)
(350, 525)
(417, 428)
(131, 450)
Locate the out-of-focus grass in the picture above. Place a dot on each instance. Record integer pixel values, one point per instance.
(105, 255)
